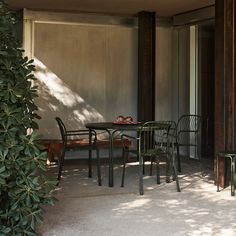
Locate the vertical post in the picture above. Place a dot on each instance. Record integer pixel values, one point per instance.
(28, 36)
(225, 80)
(146, 65)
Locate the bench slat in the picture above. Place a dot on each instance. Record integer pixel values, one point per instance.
(54, 146)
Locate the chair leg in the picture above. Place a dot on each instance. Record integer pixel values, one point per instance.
(173, 163)
(98, 168)
(140, 174)
(232, 176)
(168, 163)
(178, 158)
(217, 174)
(61, 163)
(124, 155)
(175, 174)
(90, 164)
(143, 167)
(158, 170)
(151, 166)
(176, 177)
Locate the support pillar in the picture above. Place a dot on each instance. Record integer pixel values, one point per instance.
(146, 65)
(225, 82)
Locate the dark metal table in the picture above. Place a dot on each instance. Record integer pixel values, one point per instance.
(111, 129)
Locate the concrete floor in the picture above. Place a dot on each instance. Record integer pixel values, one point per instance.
(89, 210)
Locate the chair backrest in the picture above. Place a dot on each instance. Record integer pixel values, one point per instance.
(172, 128)
(187, 128)
(155, 134)
(62, 130)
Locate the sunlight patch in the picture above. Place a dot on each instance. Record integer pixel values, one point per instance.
(134, 204)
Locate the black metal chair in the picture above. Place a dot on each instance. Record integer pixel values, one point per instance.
(154, 141)
(187, 133)
(77, 140)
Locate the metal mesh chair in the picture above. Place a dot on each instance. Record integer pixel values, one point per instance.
(77, 140)
(171, 134)
(187, 133)
(153, 141)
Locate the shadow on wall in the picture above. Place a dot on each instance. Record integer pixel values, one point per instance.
(57, 99)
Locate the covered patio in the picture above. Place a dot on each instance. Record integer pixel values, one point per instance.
(87, 209)
(96, 61)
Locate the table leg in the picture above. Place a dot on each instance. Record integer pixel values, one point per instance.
(140, 158)
(111, 163)
(90, 155)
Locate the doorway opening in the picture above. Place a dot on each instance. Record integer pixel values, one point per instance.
(195, 82)
(206, 75)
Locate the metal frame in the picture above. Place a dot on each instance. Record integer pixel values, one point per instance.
(232, 156)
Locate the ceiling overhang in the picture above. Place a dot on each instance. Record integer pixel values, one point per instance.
(163, 8)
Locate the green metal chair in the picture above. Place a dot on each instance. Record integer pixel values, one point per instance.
(77, 140)
(231, 155)
(188, 127)
(153, 141)
(171, 134)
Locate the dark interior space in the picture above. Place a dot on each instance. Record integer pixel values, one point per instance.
(206, 75)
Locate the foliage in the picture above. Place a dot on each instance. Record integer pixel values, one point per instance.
(23, 189)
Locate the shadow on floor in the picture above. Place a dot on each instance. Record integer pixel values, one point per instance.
(87, 209)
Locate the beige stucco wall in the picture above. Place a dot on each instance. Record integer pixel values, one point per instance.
(172, 72)
(164, 86)
(86, 73)
(180, 72)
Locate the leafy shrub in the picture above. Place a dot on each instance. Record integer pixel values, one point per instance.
(23, 188)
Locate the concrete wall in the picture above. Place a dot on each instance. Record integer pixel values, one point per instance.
(164, 84)
(86, 73)
(172, 73)
(87, 68)
(180, 72)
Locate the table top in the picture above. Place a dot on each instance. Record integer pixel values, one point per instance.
(113, 126)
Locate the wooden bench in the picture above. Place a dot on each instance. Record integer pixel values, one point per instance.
(54, 146)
